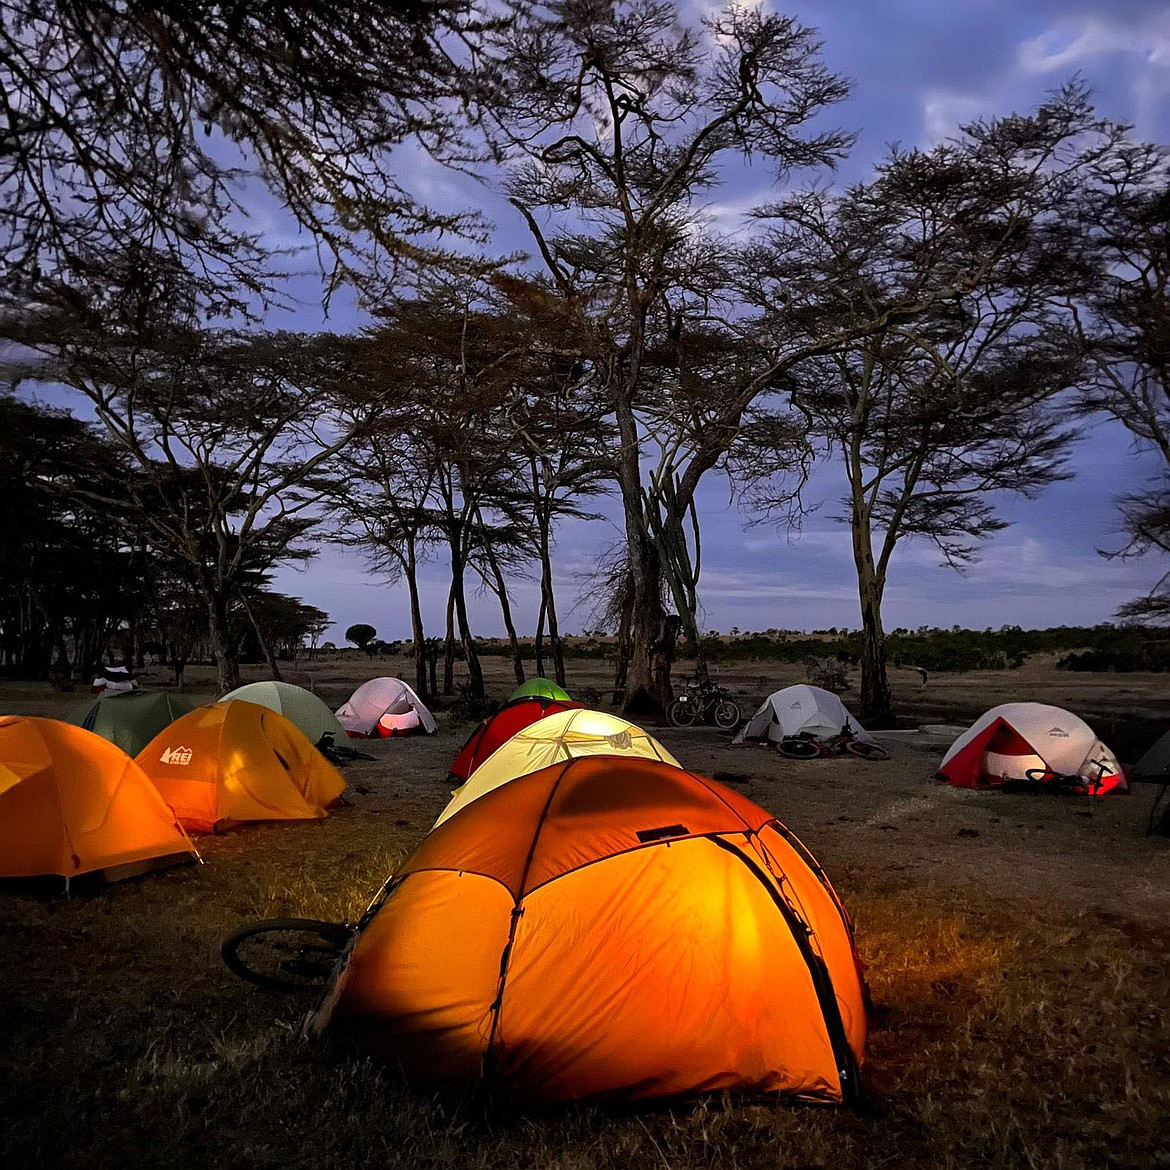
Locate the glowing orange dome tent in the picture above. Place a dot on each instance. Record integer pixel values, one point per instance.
(610, 928)
(73, 803)
(235, 761)
(497, 729)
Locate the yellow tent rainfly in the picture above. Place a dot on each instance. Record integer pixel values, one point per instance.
(564, 735)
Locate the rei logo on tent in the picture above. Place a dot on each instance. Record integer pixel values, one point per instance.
(179, 755)
(1058, 733)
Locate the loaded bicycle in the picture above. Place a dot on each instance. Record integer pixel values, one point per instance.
(806, 746)
(703, 701)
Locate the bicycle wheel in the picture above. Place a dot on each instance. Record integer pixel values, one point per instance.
(285, 953)
(726, 714)
(866, 751)
(795, 748)
(681, 713)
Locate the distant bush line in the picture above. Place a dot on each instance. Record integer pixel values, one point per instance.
(1090, 648)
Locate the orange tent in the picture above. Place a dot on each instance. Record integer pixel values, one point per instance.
(609, 928)
(236, 761)
(71, 803)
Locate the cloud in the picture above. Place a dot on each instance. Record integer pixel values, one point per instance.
(1077, 41)
(944, 112)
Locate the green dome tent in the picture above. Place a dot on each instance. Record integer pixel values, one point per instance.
(540, 688)
(300, 707)
(131, 719)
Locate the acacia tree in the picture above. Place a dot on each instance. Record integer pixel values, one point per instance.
(220, 429)
(1123, 314)
(621, 118)
(564, 448)
(441, 461)
(117, 114)
(949, 270)
(377, 490)
(556, 424)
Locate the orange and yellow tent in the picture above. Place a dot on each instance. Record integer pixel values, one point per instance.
(607, 929)
(235, 761)
(72, 803)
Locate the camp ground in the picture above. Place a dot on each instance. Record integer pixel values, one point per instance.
(383, 708)
(635, 864)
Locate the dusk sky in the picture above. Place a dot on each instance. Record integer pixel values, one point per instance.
(919, 68)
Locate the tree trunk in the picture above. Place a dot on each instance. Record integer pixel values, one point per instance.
(449, 645)
(548, 609)
(622, 663)
(647, 689)
(470, 654)
(265, 648)
(223, 648)
(877, 708)
(667, 516)
(501, 592)
(410, 568)
(538, 641)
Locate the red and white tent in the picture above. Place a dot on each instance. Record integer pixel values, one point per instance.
(383, 707)
(1012, 740)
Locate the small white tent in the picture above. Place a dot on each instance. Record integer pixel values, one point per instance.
(384, 707)
(801, 709)
(1006, 743)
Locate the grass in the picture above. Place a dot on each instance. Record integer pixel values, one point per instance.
(1031, 1041)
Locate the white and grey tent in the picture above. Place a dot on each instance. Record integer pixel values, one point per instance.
(801, 710)
(384, 707)
(1021, 743)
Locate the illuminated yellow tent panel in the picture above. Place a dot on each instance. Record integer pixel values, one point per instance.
(236, 761)
(554, 739)
(71, 803)
(607, 929)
